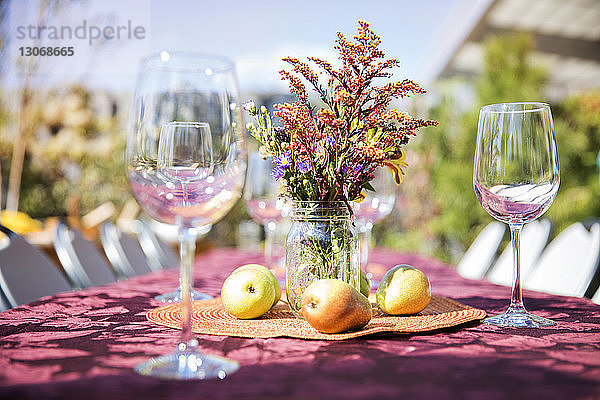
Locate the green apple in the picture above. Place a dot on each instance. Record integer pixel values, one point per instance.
(332, 306)
(270, 274)
(403, 290)
(365, 285)
(248, 293)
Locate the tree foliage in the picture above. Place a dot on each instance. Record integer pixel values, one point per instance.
(442, 176)
(73, 153)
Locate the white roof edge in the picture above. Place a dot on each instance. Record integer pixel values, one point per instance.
(457, 27)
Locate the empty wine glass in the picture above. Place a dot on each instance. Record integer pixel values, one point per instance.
(374, 207)
(186, 162)
(263, 202)
(516, 177)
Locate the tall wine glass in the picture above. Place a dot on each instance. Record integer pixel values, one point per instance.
(186, 162)
(374, 207)
(263, 202)
(516, 177)
(184, 87)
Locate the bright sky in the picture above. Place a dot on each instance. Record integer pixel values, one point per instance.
(255, 34)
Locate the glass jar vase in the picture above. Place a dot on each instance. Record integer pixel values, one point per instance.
(322, 243)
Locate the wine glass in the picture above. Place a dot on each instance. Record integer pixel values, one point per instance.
(186, 163)
(516, 177)
(186, 87)
(263, 202)
(374, 207)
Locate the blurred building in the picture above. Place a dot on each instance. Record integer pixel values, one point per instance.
(566, 33)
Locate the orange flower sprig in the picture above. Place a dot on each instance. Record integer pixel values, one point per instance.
(330, 153)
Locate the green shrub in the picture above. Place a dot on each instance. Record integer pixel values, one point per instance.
(441, 172)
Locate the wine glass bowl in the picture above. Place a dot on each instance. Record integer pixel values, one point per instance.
(194, 141)
(265, 211)
(175, 87)
(186, 163)
(516, 204)
(263, 200)
(373, 208)
(516, 177)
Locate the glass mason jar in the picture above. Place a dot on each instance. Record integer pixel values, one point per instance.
(322, 243)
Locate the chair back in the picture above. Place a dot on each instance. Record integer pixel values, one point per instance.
(569, 263)
(534, 238)
(123, 251)
(596, 297)
(26, 274)
(81, 259)
(482, 252)
(4, 305)
(159, 254)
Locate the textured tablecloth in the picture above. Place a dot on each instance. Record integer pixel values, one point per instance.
(82, 345)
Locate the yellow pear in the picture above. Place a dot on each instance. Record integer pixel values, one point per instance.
(247, 294)
(365, 285)
(403, 290)
(271, 276)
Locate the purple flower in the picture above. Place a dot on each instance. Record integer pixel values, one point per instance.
(330, 140)
(282, 163)
(304, 166)
(278, 172)
(249, 105)
(355, 170)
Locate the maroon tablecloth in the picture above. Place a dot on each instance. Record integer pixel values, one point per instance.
(82, 345)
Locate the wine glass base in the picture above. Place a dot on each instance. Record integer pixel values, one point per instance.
(177, 297)
(519, 318)
(188, 366)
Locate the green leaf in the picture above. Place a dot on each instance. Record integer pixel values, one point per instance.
(368, 186)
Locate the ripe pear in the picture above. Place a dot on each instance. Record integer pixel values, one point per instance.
(271, 276)
(403, 290)
(332, 306)
(248, 293)
(365, 285)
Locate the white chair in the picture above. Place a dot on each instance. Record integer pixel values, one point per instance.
(26, 274)
(81, 259)
(482, 252)
(123, 251)
(596, 298)
(159, 254)
(569, 263)
(4, 305)
(534, 238)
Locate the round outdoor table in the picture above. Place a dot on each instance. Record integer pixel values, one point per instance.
(84, 344)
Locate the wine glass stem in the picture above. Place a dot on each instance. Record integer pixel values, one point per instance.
(187, 245)
(516, 300)
(364, 236)
(184, 192)
(268, 252)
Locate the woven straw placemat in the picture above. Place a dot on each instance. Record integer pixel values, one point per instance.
(209, 317)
